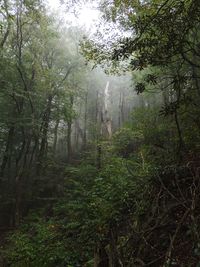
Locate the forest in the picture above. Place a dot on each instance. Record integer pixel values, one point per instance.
(100, 133)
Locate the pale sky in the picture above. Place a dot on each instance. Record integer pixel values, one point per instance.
(86, 16)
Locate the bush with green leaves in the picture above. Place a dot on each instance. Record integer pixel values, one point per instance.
(39, 242)
(94, 201)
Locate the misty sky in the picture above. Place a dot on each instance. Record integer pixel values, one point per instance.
(86, 16)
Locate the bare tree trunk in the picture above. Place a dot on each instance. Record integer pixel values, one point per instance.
(69, 145)
(76, 135)
(121, 107)
(119, 112)
(34, 150)
(69, 131)
(55, 136)
(181, 143)
(7, 152)
(44, 131)
(85, 123)
(99, 154)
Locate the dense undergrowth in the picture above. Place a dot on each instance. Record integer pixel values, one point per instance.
(141, 208)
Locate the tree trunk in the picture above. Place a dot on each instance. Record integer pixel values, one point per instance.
(121, 110)
(99, 152)
(85, 123)
(69, 145)
(69, 130)
(44, 132)
(7, 152)
(55, 136)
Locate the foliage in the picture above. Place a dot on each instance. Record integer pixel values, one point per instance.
(38, 243)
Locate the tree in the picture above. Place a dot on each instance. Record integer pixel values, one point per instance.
(38, 73)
